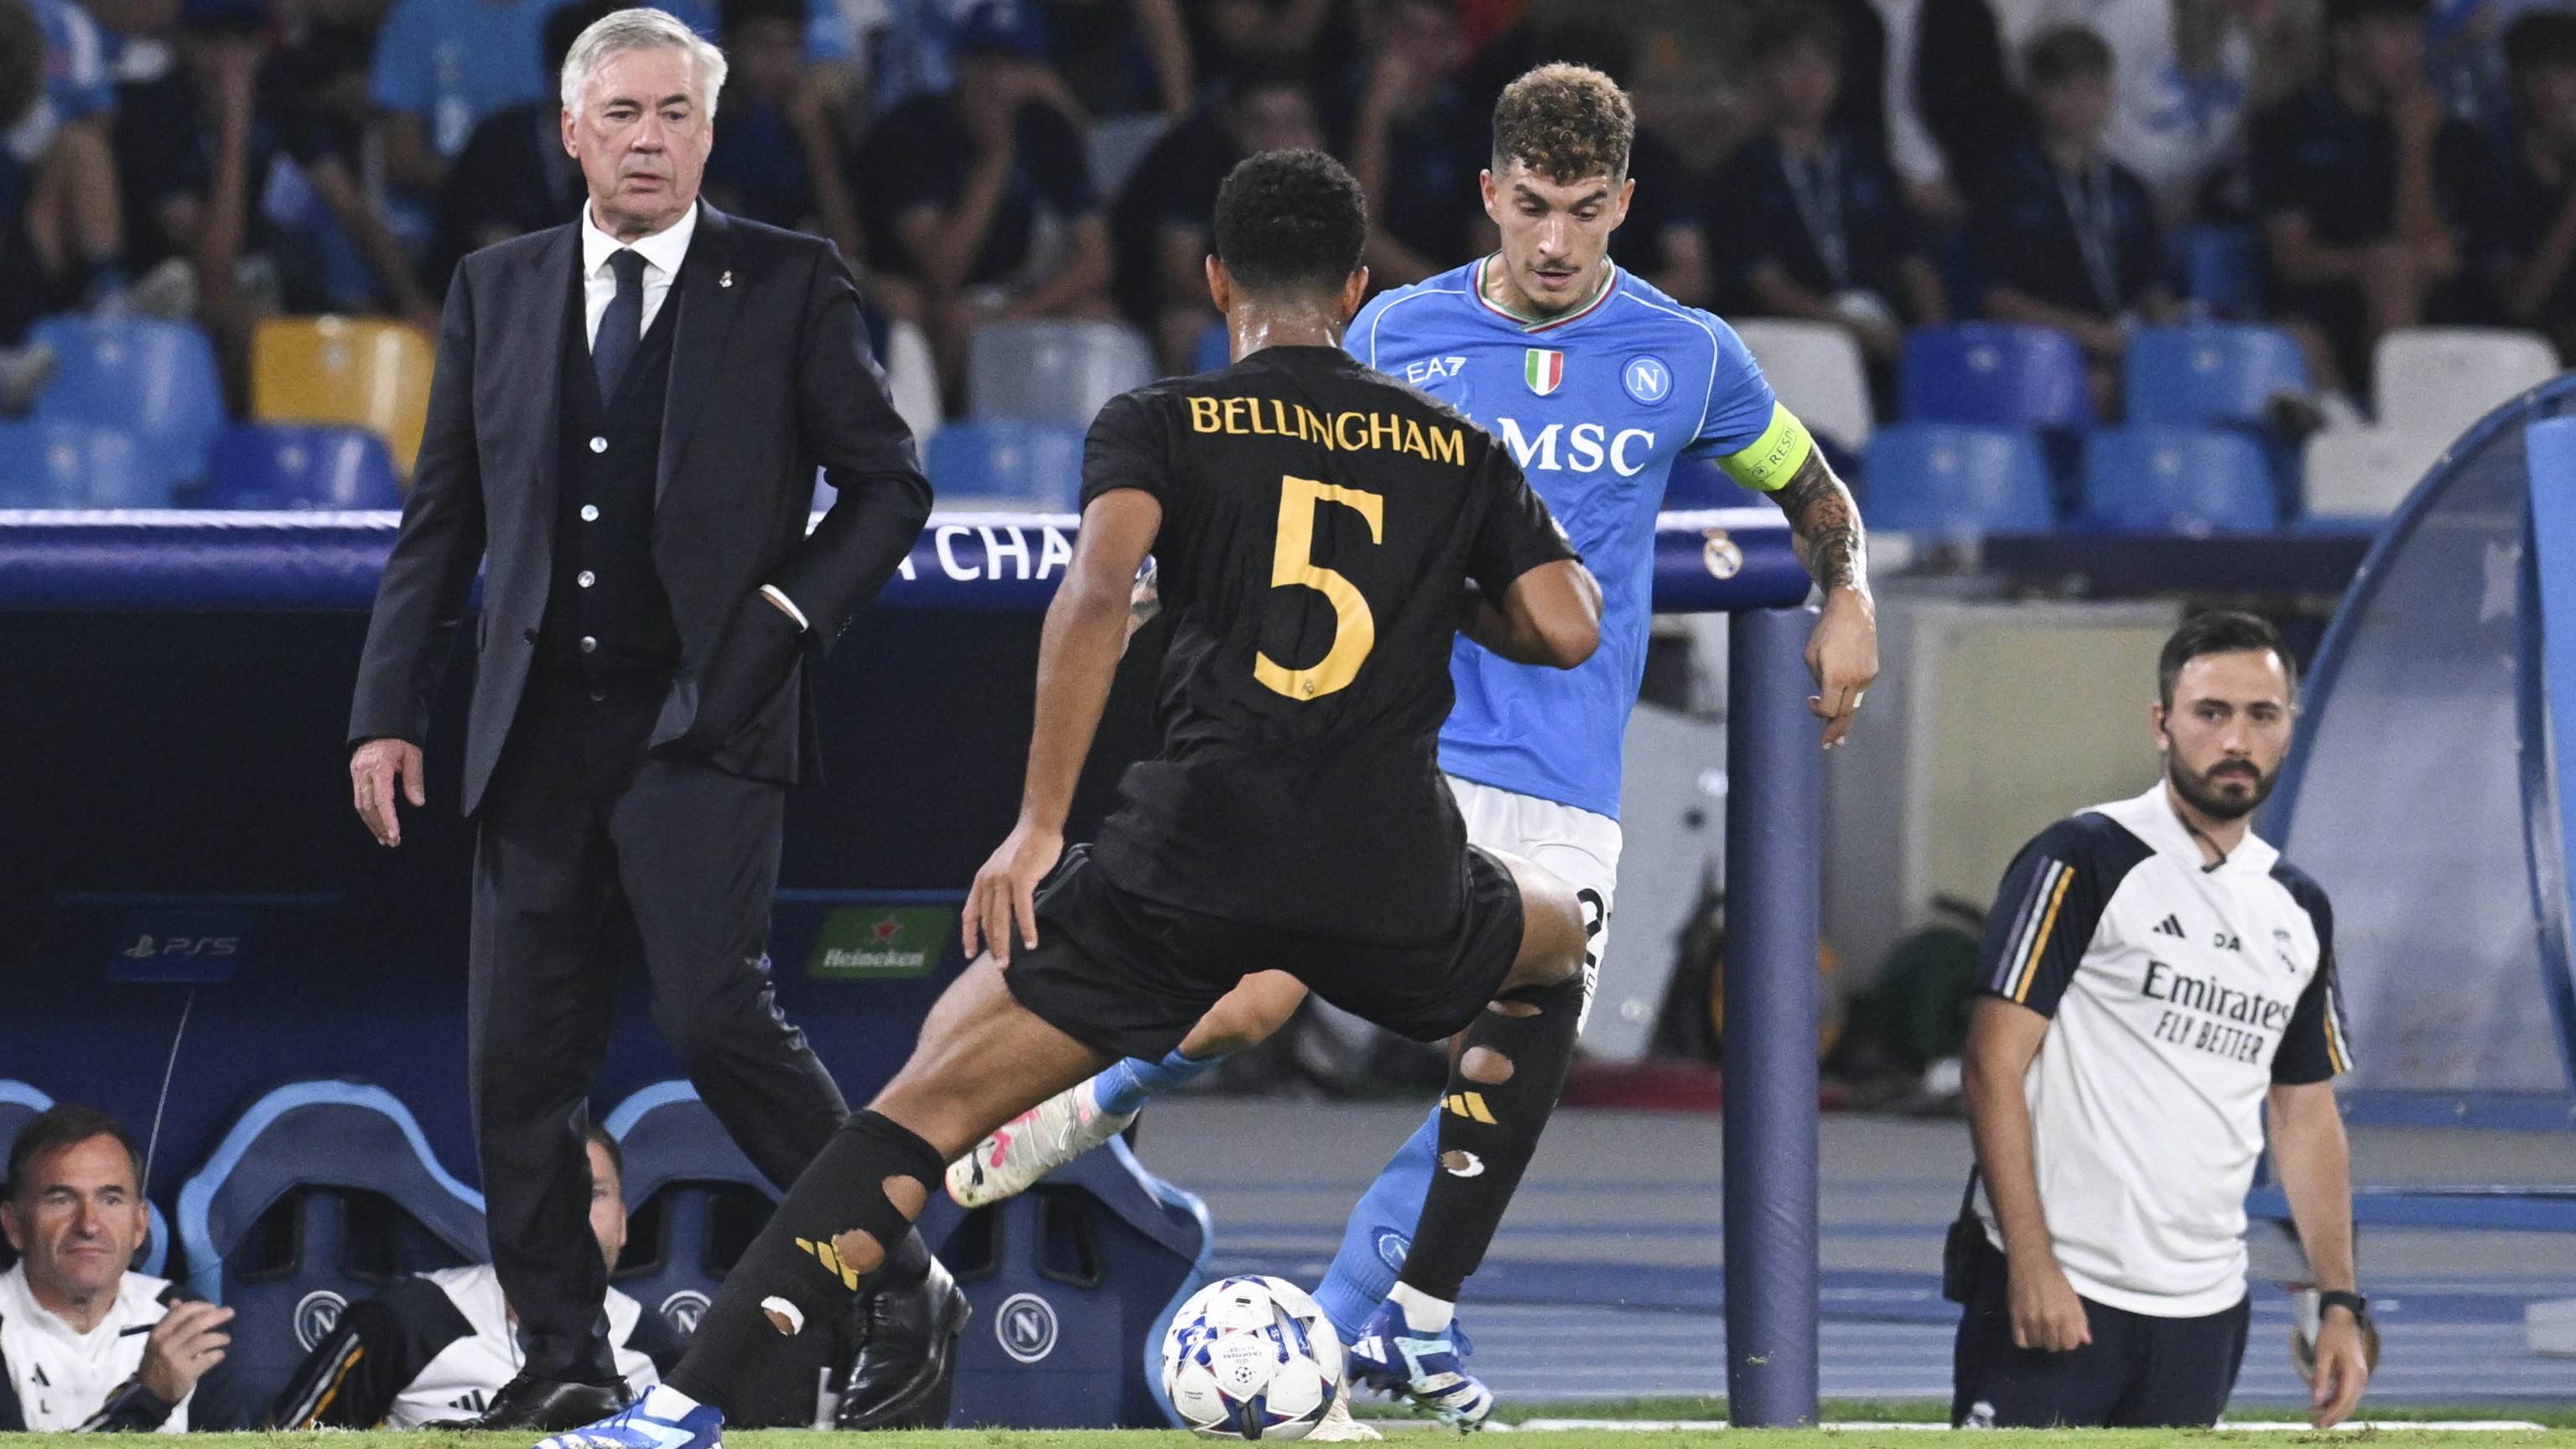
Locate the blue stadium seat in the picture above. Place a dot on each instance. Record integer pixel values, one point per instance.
(1995, 373)
(150, 377)
(2223, 269)
(1216, 348)
(320, 1194)
(48, 464)
(694, 1200)
(1000, 462)
(2153, 478)
(19, 1103)
(2210, 372)
(299, 466)
(1957, 478)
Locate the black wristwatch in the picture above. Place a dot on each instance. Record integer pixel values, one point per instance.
(2357, 1305)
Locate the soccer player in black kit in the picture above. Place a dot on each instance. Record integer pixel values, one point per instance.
(1321, 534)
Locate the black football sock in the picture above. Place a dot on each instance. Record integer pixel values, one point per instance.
(1510, 1068)
(782, 1319)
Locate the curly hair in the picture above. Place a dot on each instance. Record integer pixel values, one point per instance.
(1290, 221)
(1566, 122)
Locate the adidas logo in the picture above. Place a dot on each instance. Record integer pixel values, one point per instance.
(2169, 926)
(822, 1253)
(1470, 1105)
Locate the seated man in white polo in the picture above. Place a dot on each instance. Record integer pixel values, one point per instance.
(2157, 982)
(85, 1342)
(437, 1346)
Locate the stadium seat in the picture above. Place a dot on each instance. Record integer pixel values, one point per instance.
(54, 464)
(694, 1201)
(2443, 379)
(19, 1103)
(1053, 371)
(2209, 372)
(2156, 478)
(1957, 479)
(320, 1194)
(1216, 348)
(2360, 475)
(1994, 373)
(1816, 369)
(994, 463)
(366, 372)
(297, 466)
(2223, 270)
(151, 378)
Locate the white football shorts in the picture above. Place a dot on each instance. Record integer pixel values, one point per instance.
(1578, 845)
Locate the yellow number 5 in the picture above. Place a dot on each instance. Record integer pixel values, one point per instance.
(1354, 628)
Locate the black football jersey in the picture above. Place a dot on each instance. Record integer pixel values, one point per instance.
(1320, 520)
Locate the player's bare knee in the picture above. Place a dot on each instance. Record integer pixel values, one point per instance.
(1247, 1016)
(1486, 1066)
(1552, 936)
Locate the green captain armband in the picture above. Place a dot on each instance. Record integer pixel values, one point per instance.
(1775, 457)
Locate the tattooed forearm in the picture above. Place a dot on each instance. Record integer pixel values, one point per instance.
(1825, 525)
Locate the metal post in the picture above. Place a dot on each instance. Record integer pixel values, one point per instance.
(1774, 850)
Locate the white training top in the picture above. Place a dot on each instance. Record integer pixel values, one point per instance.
(62, 1378)
(2179, 995)
(460, 1379)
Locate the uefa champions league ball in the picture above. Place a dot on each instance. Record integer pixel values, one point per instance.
(1251, 1358)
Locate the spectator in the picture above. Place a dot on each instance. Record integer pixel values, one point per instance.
(85, 1342)
(980, 201)
(205, 146)
(777, 155)
(2184, 76)
(437, 1346)
(1817, 224)
(2065, 236)
(1417, 144)
(515, 176)
(2525, 226)
(1926, 79)
(1122, 57)
(2360, 182)
(1164, 224)
(1315, 34)
(72, 224)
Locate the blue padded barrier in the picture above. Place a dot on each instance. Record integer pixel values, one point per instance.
(693, 1190)
(300, 466)
(2209, 372)
(1957, 479)
(1705, 559)
(19, 1103)
(1073, 1283)
(326, 1154)
(154, 378)
(1997, 373)
(2152, 479)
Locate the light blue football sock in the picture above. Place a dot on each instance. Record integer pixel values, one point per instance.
(1127, 1085)
(1380, 1233)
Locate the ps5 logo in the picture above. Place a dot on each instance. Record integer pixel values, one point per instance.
(1025, 1327)
(147, 949)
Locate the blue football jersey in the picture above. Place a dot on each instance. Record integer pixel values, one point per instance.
(1596, 406)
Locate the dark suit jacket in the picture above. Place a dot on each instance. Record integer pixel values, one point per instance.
(770, 379)
(1961, 86)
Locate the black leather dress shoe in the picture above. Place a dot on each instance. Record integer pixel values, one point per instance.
(548, 1406)
(908, 1322)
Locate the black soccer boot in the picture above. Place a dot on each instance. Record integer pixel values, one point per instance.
(548, 1406)
(907, 1325)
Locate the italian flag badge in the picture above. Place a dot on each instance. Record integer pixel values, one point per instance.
(1544, 369)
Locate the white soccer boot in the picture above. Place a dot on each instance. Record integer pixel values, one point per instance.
(1337, 1425)
(1031, 1145)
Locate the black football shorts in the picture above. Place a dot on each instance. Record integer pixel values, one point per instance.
(1130, 976)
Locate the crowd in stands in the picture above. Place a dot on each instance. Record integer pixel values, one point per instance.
(1873, 164)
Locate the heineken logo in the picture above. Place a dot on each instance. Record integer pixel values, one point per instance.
(880, 943)
(1544, 369)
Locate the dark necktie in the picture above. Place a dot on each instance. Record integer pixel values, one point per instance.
(622, 325)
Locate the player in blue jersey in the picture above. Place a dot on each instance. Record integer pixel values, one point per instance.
(1598, 383)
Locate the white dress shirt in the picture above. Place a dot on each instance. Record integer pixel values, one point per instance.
(1910, 147)
(663, 252)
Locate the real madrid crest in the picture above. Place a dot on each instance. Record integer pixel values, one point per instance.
(1723, 555)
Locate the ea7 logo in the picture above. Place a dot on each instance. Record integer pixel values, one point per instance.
(150, 949)
(1429, 368)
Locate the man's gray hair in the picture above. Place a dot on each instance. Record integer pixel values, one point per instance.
(641, 28)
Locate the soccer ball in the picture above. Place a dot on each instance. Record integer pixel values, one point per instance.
(1251, 1358)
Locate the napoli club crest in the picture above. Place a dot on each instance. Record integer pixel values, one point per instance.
(1647, 379)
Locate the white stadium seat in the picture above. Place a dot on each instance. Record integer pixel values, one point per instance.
(2364, 473)
(1816, 369)
(2443, 379)
(1052, 371)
